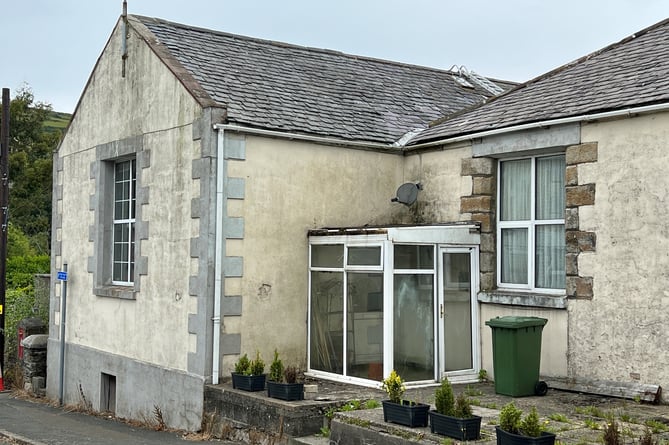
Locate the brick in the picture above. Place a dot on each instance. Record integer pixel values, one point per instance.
(477, 167)
(488, 242)
(485, 219)
(578, 241)
(580, 195)
(580, 154)
(476, 204)
(483, 185)
(572, 264)
(580, 287)
(571, 175)
(487, 282)
(571, 220)
(487, 262)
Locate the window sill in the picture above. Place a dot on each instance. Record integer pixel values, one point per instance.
(515, 298)
(120, 292)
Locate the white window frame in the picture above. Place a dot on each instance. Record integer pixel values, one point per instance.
(129, 245)
(530, 225)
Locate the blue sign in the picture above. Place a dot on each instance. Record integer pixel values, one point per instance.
(62, 276)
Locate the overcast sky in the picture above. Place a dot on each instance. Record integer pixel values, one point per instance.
(52, 45)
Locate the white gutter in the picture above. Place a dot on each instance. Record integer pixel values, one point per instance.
(306, 137)
(546, 123)
(218, 266)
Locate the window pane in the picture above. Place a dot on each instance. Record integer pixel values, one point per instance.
(550, 257)
(414, 257)
(514, 256)
(515, 188)
(550, 187)
(328, 255)
(365, 325)
(327, 321)
(413, 326)
(364, 256)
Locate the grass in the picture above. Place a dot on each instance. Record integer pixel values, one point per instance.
(592, 411)
(558, 417)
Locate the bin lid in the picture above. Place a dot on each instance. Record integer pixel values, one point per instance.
(515, 322)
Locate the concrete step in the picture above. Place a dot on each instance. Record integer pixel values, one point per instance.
(309, 440)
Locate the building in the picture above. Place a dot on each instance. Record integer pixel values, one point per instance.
(217, 195)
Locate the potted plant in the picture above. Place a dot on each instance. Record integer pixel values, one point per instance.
(453, 417)
(249, 375)
(282, 383)
(398, 410)
(514, 429)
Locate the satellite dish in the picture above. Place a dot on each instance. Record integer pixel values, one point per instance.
(407, 193)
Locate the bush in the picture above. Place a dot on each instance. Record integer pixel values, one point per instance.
(243, 365)
(509, 418)
(257, 365)
(444, 400)
(276, 368)
(530, 425)
(463, 407)
(394, 387)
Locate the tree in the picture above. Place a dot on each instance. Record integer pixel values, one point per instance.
(30, 168)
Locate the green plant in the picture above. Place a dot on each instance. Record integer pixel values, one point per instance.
(393, 385)
(509, 418)
(592, 424)
(483, 375)
(558, 417)
(276, 368)
(243, 365)
(463, 408)
(655, 426)
(530, 425)
(447, 442)
(371, 404)
(471, 392)
(257, 365)
(591, 411)
(444, 400)
(325, 431)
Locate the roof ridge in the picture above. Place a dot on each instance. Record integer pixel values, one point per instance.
(552, 72)
(313, 49)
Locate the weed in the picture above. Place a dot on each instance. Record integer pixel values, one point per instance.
(357, 421)
(655, 426)
(158, 417)
(624, 417)
(483, 375)
(591, 411)
(489, 405)
(325, 431)
(475, 402)
(647, 438)
(558, 417)
(592, 424)
(471, 392)
(612, 432)
(371, 404)
(447, 442)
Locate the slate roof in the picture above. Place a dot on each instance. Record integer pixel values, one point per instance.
(291, 88)
(630, 73)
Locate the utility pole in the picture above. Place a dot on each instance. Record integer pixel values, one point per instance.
(4, 215)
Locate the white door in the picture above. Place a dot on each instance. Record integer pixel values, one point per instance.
(457, 322)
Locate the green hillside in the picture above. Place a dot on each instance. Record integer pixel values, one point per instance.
(57, 121)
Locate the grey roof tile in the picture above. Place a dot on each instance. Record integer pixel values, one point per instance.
(305, 90)
(632, 72)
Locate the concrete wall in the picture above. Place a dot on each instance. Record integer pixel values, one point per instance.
(291, 187)
(620, 334)
(152, 108)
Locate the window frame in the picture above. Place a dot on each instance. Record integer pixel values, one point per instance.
(129, 245)
(529, 225)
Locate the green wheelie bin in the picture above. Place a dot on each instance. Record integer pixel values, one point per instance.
(516, 355)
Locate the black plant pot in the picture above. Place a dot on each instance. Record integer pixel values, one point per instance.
(248, 382)
(405, 413)
(456, 427)
(285, 391)
(506, 438)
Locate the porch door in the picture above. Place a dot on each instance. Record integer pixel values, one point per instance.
(458, 318)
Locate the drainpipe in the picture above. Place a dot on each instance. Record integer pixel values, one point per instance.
(218, 267)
